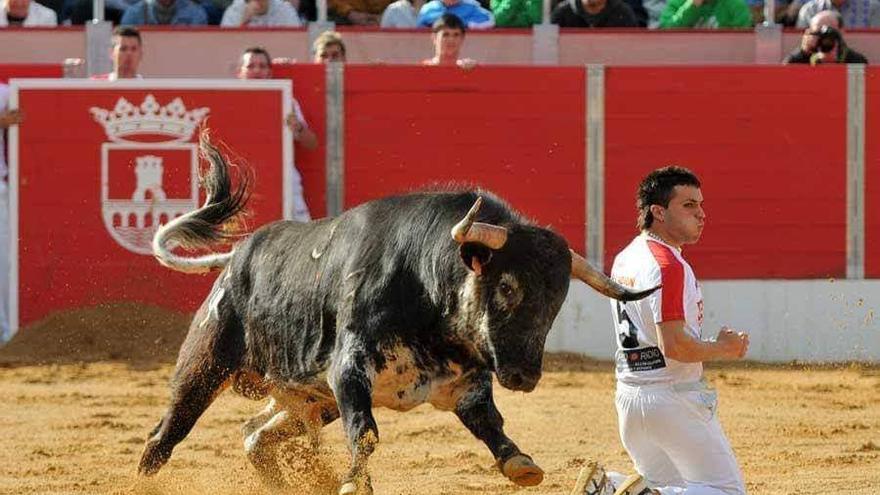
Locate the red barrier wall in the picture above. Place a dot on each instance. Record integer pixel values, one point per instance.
(516, 131)
(309, 88)
(769, 144)
(872, 172)
(8, 71)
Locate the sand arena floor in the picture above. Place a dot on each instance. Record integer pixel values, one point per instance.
(79, 429)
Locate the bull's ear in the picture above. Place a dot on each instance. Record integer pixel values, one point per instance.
(475, 256)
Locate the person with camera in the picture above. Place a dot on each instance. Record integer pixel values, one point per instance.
(823, 43)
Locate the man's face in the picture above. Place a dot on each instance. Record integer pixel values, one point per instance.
(127, 54)
(329, 53)
(255, 66)
(594, 5)
(448, 41)
(684, 218)
(260, 6)
(18, 8)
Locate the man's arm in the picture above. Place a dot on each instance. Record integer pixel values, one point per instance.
(9, 118)
(677, 344)
(680, 13)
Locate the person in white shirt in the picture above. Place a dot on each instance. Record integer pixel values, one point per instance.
(402, 14)
(26, 13)
(667, 412)
(248, 13)
(8, 118)
(257, 64)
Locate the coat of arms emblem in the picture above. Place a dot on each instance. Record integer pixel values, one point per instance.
(148, 168)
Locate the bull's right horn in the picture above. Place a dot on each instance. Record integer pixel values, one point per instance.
(491, 236)
(581, 270)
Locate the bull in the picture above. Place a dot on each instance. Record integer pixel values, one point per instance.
(397, 302)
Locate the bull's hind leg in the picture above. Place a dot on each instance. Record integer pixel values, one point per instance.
(291, 415)
(210, 354)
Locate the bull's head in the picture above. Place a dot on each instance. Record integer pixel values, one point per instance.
(520, 279)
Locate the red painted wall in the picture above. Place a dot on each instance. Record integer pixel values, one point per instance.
(516, 131)
(8, 71)
(769, 144)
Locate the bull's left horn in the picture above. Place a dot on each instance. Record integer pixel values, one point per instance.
(491, 236)
(581, 270)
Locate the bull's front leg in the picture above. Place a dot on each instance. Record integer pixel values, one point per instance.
(476, 409)
(350, 380)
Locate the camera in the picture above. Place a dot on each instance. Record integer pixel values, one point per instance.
(828, 38)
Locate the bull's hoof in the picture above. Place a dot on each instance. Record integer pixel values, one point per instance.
(355, 488)
(522, 470)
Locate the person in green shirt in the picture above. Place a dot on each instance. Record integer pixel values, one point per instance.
(712, 14)
(517, 13)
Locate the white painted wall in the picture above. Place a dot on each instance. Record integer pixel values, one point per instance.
(807, 321)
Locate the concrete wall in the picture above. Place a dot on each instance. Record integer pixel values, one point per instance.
(213, 52)
(808, 321)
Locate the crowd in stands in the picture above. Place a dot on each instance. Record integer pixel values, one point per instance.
(409, 14)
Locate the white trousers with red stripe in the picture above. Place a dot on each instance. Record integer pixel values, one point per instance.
(673, 436)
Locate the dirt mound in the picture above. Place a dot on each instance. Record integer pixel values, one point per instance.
(128, 332)
(570, 361)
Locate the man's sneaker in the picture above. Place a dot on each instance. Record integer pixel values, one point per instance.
(592, 481)
(634, 485)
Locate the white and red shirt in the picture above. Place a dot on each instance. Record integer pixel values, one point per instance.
(647, 262)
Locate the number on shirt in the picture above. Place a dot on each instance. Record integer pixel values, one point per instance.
(628, 339)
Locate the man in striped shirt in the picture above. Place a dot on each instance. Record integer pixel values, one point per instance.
(666, 409)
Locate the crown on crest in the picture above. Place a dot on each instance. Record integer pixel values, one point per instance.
(172, 120)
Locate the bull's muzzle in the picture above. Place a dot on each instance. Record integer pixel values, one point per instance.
(519, 381)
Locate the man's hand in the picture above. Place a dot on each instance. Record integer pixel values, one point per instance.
(295, 125)
(363, 18)
(733, 344)
(698, 3)
(466, 63)
(10, 118)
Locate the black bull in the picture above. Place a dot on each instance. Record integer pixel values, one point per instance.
(397, 302)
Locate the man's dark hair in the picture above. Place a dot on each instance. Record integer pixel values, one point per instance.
(448, 21)
(127, 32)
(657, 188)
(258, 50)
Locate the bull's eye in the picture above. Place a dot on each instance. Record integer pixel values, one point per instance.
(505, 289)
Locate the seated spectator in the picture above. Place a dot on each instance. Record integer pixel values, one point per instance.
(786, 11)
(79, 12)
(710, 14)
(260, 13)
(856, 13)
(256, 63)
(357, 12)
(517, 13)
(448, 39)
(402, 14)
(165, 12)
(26, 13)
(329, 47)
(810, 51)
(126, 51)
(471, 13)
(593, 14)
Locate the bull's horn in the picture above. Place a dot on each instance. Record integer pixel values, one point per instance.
(582, 270)
(491, 236)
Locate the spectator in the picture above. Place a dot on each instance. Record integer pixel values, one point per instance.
(448, 38)
(402, 14)
(786, 11)
(26, 13)
(470, 12)
(260, 13)
(593, 14)
(165, 12)
(126, 52)
(856, 13)
(329, 47)
(256, 64)
(517, 13)
(810, 53)
(711, 14)
(653, 9)
(358, 12)
(7, 118)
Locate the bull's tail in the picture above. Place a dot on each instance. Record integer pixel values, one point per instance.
(213, 223)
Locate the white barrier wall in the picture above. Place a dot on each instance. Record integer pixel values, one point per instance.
(807, 321)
